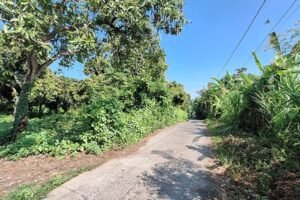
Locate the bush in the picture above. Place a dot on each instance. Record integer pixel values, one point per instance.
(91, 129)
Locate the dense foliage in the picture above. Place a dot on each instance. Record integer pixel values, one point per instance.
(100, 34)
(92, 115)
(124, 95)
(258, 120)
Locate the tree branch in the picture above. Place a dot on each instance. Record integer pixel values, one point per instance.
(17, 80)
(52, 34)
(54, 58)
(4, 20)
(111, 25)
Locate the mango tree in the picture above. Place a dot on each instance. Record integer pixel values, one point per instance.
(40, 33)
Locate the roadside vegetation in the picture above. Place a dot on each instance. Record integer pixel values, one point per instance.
(37, 192)
(255, 120)
(110, 117)
(124, 95)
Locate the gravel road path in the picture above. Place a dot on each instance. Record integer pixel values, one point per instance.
(176, 163)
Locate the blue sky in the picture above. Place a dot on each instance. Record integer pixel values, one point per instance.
(203, 47)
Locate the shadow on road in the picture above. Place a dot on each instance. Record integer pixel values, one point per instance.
(177, 179)
(205, 151)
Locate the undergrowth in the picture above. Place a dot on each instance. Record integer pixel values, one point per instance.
(256, 124)
(91, 129)
(259, 166)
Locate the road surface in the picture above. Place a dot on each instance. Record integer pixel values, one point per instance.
(175, 164)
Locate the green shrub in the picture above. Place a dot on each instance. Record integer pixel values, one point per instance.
(92, 128)
(92, 147)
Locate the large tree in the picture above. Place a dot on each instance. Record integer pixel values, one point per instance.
(37, 33)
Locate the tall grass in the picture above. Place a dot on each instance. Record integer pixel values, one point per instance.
(258, 119)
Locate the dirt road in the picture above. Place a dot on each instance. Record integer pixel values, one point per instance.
(177, 163)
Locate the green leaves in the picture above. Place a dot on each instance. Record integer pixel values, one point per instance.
(122, 35)
(35, 22)
(258, 63)
(297, 59)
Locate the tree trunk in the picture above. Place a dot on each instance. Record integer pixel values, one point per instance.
(16, 99)
(21, 109)
(33, 71)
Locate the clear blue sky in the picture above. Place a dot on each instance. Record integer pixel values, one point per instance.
(203, 47)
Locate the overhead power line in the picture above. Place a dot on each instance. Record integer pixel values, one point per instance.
(292, 13)
(275, 26)
(244, 35)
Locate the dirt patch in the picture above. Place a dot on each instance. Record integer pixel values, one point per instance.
(39, 169)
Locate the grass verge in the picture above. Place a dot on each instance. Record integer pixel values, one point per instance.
(258, 166)
(37, 192)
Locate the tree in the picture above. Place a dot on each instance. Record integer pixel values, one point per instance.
(12, 71)
(53, 93)
(134, 73)
(68, 31)
(179, 97)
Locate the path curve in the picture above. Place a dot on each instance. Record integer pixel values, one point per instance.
(175, 164)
